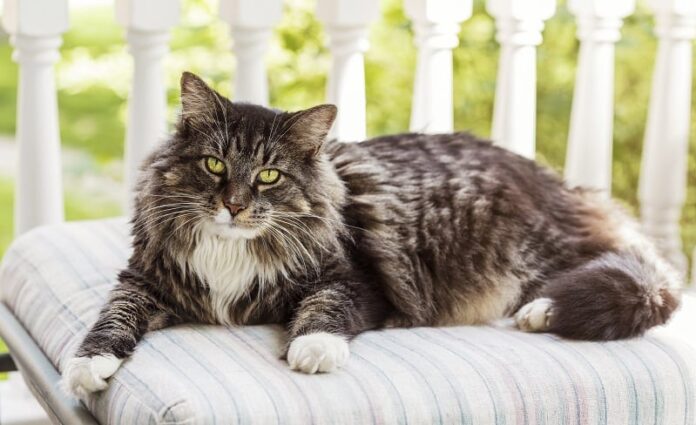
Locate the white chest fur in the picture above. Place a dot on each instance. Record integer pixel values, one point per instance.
(228, 267)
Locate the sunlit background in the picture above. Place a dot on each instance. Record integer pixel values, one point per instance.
(93, 77)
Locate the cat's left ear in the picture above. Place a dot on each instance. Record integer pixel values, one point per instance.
(309, 128)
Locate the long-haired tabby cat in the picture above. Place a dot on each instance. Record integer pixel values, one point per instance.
(248, 215)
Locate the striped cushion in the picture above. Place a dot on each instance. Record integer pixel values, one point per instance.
(56, 278)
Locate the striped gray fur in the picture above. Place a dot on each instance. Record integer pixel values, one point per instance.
(404, 230)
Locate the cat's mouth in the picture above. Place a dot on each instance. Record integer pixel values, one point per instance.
(224, 225)
(234, 230)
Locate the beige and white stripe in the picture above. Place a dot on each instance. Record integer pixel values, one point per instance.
(55, 279)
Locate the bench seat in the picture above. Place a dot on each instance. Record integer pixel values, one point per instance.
(54, 280)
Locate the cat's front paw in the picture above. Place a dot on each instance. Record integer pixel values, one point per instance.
(318, 352)
(85, 375)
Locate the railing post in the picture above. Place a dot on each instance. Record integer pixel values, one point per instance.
(662, 189)
(35, 27)
(519, 25)
(251, 23)
(588, 160)
(147, 31)
(436, 26)
(347, 23)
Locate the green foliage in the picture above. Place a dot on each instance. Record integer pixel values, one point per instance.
(8, 90)
(78, 206)
(94, 77)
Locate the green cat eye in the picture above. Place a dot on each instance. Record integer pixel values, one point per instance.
(214, 165)
(269, 176)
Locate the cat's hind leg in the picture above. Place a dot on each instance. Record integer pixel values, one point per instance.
(617, 295)
(535, 316)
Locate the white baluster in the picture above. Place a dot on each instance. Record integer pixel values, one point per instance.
(588, 161)
(251, 22)
(436, 25)
(347, 23)
(148, 24)
(663, 175)
(35, 27)
(519, 25)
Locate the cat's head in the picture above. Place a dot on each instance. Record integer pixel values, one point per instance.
(239, 171)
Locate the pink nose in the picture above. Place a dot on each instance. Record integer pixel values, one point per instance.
(234, 209)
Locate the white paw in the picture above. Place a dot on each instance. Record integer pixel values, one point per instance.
(535, 316)
(85, 375)
(318, 352)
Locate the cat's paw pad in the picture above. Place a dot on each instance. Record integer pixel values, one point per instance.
(85, 375)
(535, 316)
(318, 352)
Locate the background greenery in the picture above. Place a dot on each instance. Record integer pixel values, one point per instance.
(94, 76)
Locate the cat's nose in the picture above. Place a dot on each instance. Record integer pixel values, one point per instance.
(234, 209)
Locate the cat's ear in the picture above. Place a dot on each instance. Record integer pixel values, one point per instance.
(310, 127)
(198, 101)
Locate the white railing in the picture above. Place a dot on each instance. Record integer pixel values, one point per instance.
(663, 177)
(36, 27)
(519, 26)
(251, 24)
(436, 26)
(588, 161)
(147, 26)
(346, 24)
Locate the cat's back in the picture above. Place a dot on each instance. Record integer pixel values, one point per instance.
(447, 166)
(449, 191)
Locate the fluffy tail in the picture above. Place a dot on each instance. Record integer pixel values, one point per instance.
(618, 295)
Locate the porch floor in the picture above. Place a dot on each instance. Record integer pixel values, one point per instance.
(17, 405)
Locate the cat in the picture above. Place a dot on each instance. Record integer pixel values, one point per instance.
(248, 215)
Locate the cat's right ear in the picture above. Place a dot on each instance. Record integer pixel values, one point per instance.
(199, 102)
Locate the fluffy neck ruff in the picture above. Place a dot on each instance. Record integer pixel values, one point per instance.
(230, 267)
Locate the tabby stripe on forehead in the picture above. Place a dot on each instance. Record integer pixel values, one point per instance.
(268, 157)
(238, 142)
(221, 148)
(260, 144)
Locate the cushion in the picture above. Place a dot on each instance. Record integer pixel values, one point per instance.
(56, 278)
